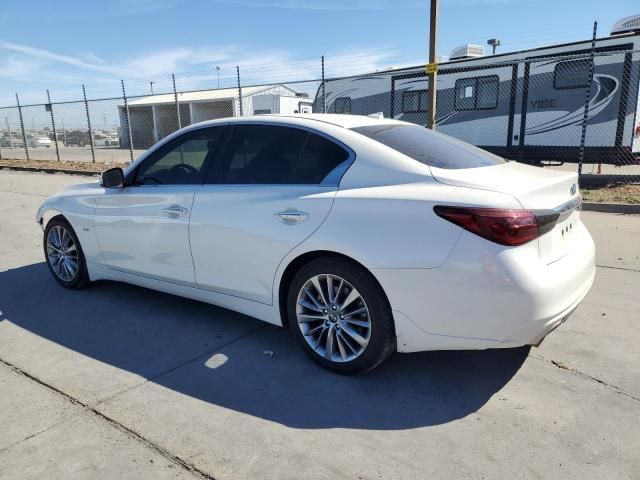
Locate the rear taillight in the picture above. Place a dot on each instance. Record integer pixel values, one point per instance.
(504, 226)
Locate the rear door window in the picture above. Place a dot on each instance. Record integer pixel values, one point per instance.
(260, 154)
(319, 157)
(428, 147)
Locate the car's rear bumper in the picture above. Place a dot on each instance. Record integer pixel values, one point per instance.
(488, 296)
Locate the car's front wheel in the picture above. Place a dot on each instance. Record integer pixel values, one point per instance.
(64, 255)
(340, 315)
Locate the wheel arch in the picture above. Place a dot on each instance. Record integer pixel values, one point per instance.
(45, 215)
(302, 259)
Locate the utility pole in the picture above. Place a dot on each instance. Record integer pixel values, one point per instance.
(432, 68)
(151, 86)
(218, 72)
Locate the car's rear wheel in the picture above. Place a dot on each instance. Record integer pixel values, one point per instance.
(340, 315)
(64, 255)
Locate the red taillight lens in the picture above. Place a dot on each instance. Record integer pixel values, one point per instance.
(503, 226)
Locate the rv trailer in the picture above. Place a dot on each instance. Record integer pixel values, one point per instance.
(526, 105)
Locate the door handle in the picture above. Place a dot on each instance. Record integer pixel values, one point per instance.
(291, 217)
(174, 211)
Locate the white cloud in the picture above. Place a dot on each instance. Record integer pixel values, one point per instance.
(46, 55)
(36, 69)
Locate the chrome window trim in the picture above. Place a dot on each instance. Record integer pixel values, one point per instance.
(332, 179)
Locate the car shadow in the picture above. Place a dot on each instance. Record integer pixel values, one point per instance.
(237, 362)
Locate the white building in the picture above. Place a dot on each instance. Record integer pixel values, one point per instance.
(154, 117)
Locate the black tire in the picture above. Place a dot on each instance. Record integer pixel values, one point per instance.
(81, 277)
(382, 338)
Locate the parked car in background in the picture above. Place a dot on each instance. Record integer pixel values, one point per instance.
(76, 138)
(11, 140)
(365, 236)
(105, 140)
(39, 141)
(112, 141)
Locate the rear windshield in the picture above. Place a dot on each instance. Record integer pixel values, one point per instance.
(428, 147)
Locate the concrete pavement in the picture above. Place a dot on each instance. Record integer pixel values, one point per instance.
(118, 381)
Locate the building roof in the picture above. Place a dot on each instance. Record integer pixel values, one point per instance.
(208, 95)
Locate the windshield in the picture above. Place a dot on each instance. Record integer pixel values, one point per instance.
(428, 147)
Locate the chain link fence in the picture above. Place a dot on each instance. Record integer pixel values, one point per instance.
(573, 112)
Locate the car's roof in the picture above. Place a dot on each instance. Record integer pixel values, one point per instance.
(341, 120)
(345, 121)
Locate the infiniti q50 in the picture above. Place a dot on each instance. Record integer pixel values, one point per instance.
(364, 236)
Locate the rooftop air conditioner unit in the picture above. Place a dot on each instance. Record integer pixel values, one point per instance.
(467, 51)
(627, 24)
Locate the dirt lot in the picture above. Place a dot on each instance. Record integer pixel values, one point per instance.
(117, 381)
(613, 194)
(67, 166)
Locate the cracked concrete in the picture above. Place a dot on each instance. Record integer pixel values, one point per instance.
(118, 381)
(578, 372)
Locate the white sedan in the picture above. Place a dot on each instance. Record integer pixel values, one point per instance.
(364, 236)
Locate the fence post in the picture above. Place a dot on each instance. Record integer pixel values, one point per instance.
(239, 90)
(585, 116)
(324, 101)
(128, 120)
(175, 96)
(86, 107)
(53, 124)
(24, 135)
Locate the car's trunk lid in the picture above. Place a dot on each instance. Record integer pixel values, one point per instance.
(540, 190)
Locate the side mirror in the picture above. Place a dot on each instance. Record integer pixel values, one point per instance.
(112, 178)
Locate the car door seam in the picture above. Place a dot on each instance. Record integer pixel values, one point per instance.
(193, 263)
(275, 273)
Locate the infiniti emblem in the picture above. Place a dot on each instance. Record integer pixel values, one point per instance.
(573, 189)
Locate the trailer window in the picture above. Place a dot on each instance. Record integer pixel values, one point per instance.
(429, 147)
(478, 93)
(571, 74)
(342, 105)
(414, 101)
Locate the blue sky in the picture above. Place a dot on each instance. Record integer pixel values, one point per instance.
(99, 43)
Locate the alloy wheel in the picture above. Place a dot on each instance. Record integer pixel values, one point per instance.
(62, 253)
(333, 318)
